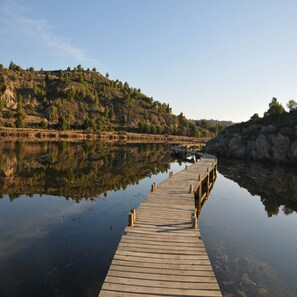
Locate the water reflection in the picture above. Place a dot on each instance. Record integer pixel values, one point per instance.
(54, 246)
(276, 186)
(76, 170)
(249, 236)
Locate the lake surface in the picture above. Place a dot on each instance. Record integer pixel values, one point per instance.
(249, 228)
(64, 206)
(63, 209)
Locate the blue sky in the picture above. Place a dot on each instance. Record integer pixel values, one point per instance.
(220, 59)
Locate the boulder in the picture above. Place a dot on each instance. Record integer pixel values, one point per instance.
(281, 148)
(263, 148)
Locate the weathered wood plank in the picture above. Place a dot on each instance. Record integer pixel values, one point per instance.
(161, 284)
(161, 271)
(159, 290)
(164, 277)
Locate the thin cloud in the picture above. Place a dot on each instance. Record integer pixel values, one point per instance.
(14, 15)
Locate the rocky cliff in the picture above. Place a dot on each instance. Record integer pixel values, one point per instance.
(265, 139)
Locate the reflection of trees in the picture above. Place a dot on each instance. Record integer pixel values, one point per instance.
(76, 170)
(276, 186)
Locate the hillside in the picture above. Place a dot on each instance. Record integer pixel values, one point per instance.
(271, 138)
(81, 99)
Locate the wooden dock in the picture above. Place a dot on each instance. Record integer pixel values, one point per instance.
(161, 252)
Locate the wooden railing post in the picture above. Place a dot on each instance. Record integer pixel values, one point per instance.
(208, 175)
(194, 221)
(133, 211)
(130, 220)
(191, 189)
(154, 187)
(200, 187)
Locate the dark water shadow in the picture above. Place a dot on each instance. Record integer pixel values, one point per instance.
(275, 185)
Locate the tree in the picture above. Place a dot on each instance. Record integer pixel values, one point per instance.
(20, 111)
(44, 124)
(64, 123)
(19, 121)
(292, 105)
(255, 117)
(275, 108)
(153, 129)
(107, 75)
(12, 66)
(99, 125)
(106, 112)
(94, 69)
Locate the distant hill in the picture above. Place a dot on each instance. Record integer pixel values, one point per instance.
(82, 99)
(271, 138)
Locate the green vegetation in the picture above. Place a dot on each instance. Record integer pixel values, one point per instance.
(82, 99)
(275, 108)
(275, 120)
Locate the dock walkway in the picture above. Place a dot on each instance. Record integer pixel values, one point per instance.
(161, 253)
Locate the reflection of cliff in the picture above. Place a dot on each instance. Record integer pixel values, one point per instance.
(276, 186)
(76, 170)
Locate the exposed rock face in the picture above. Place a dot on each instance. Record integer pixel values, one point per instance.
(273, 140)
(9, 99)
(262, 148)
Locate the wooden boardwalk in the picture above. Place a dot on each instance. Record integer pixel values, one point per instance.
(162, 254)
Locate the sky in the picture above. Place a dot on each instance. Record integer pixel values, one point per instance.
(211, 59)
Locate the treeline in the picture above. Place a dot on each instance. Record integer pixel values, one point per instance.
(84, 99)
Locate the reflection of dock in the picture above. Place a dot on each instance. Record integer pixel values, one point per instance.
(161, 252)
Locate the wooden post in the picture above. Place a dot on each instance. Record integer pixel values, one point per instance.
(152, 188)
(130, 220)
(170, 173)
(207, 188)
(191, 189)
(200, 187)
(186, 167)
(133, 211)
(194, 221)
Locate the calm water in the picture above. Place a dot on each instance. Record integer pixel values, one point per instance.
(63, 211)
(64, 207)
(249, 228)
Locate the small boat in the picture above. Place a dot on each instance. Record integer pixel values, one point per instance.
(182, 152)
(179, 149)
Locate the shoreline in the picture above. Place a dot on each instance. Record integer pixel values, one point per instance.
(73, 135)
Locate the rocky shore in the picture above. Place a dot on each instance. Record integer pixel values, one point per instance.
(69, 135)
(267, 139)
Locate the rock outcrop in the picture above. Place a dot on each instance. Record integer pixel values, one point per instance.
(267, 139)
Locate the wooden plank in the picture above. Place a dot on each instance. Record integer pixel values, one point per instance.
(160, 291)
(163, 261)
(161, 284)
(161, 265)
(160, 245)
(161, 271)
(198, 256)
(164, 277)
